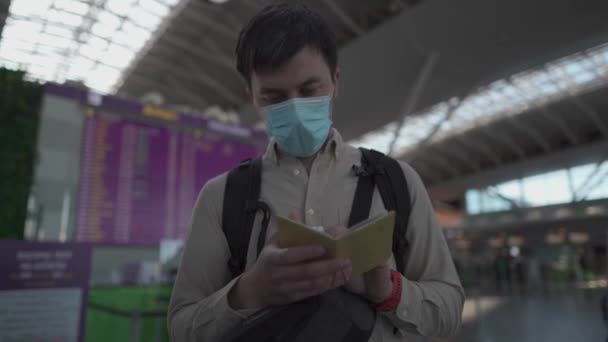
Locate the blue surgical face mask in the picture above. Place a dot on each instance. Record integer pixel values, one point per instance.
(300, 126)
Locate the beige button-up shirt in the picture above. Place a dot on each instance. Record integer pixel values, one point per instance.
(432, 296)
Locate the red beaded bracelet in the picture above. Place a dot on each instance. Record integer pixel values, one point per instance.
(391, 302)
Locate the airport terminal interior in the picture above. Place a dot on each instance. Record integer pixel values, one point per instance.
(115, 113)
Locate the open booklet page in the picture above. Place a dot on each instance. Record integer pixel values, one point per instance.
(368, 244)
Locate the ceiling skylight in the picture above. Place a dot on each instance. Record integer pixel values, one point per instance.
(565, 77)
(91, 41)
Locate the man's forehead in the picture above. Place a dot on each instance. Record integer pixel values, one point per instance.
(306, 66)
(275, 84)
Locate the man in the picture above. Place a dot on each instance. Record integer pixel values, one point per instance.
(288, 58)
(604, 307)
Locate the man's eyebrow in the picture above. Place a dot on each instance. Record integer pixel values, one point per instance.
(271, 90)
(310, 81)
(306, 83)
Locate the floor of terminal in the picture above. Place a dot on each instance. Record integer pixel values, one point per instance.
(554, 315)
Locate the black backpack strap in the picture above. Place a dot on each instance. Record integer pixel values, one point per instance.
(241, 203)
(386, 173)
(364, 193)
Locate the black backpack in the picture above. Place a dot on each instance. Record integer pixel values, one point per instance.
(241, 204)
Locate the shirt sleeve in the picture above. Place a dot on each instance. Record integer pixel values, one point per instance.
(199, 309)
(432, 296)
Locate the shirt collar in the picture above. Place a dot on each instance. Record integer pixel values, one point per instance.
(334, 146)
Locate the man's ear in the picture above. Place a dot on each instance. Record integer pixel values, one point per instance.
(336, 82)
(248, 92)
(250, 95)
(254, 104)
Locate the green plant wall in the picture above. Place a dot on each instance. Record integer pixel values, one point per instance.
(19, 118)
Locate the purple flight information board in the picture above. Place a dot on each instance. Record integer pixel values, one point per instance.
(139, 182)
(43, 291)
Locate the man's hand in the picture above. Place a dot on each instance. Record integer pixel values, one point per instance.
(375, 285)
(283, 276)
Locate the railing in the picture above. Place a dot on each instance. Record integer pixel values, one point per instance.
(136, 318)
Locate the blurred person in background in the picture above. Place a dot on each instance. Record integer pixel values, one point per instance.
(519, 264)
(545, 274)
(502, 269)
(288, 58)
(534, 271)
(584, 261)
(604, 307)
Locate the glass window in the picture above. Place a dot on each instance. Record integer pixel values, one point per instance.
(580, 177)
(473, 202)
(493, 201)
(600, 191)
(541, 190)
(511, 190)
(597, 186)
(547, 189)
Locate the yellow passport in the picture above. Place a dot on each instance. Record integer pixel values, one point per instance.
(367, 244)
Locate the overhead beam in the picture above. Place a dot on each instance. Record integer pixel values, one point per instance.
(201, 16)
(253, 5)
(344, 17)
(43, 21)
(427, 140)
(591, 113)
(234, 21)
(531, 133)
(583, 106)
(459, 155)
(505, 140)
(214, 84)
(441, 164)
(556, 121)
(424, 169)
(171, 89)
(479, 147)
(260, 3)
(414, 96)
(162, 28)
(228, 58)
(193, 98)
(213, 54)
(188, 70)
(203, 45)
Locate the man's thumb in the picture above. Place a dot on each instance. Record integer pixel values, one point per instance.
(335, 231)
(273, 240)
(295, 216)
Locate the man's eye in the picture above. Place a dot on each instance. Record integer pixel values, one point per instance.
(309, 92)
(273, 99)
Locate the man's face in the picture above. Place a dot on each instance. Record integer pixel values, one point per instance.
(306, 74)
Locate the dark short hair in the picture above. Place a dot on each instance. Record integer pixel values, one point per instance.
(277, 33)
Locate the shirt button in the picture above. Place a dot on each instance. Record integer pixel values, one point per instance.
(296, 172)
(311, 212)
